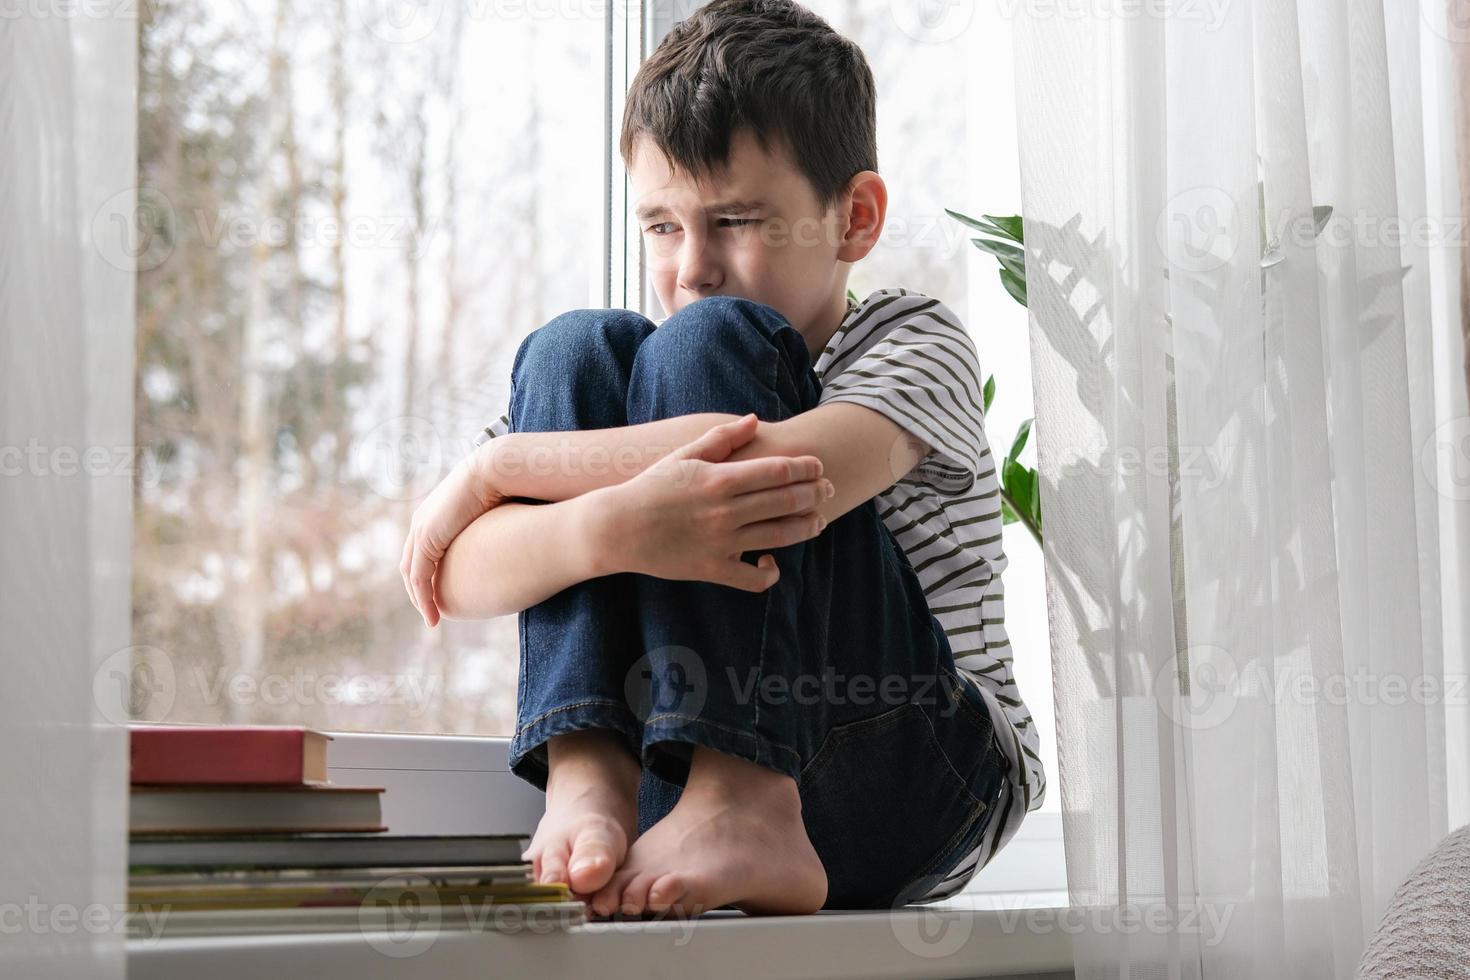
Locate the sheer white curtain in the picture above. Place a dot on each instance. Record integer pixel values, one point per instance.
(68, 120)
(1233, 396)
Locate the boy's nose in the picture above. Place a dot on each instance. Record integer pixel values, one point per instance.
(700, 272)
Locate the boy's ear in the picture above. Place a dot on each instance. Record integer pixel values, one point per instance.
(865, 204)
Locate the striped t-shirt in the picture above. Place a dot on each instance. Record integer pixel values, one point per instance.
(908, 357)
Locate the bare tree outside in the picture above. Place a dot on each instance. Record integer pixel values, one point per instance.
(360, 225)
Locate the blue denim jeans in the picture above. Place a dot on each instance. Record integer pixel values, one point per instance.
(837, 676)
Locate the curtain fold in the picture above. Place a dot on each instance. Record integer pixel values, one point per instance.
(1232, 348)
(68, 120)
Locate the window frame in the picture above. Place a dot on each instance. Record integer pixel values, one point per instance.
(633, 31)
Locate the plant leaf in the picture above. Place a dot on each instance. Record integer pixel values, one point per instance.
(1019, 442)
(1035, 500)
(1001, 228)
(1013, 478)
(1023, 486)
(988, 393)
(1014, 285)
(1009, 225)
(976, 223)
(1011, 257)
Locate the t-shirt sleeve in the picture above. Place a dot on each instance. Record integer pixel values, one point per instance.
(497, 428)
(924, 374)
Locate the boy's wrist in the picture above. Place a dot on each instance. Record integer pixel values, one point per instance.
(595, 529)
(488, 466)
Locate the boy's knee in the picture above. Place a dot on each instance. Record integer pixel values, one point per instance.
(561, 346)
(727, 315)
(715, 329)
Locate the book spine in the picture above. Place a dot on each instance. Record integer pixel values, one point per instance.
(187, 757)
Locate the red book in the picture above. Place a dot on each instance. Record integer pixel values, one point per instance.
(240, 755)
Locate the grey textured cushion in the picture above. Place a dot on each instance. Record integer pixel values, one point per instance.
(1426, 931)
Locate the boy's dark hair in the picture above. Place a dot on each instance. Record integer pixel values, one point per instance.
(770, 65)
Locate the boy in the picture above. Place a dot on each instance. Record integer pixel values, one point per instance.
(835, 723)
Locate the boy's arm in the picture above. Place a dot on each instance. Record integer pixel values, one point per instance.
(561, 465)
(863, 453)
(518, 554)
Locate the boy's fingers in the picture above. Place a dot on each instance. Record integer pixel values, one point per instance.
(719, 441)
(420, 578)
(408, 578)
(405, 564)
(750, 475)
(783, 501)
(750, 578)
(741, 430)
(780, 533)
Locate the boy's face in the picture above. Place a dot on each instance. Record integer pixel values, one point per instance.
(753, 231)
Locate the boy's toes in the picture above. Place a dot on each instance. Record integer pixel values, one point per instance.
(664, 891)
(609, 899)
(551, 865)
(595, 856)
(635, 896)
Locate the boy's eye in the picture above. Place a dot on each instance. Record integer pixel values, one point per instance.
(726, 222)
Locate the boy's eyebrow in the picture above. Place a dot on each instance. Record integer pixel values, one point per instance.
(647, 211)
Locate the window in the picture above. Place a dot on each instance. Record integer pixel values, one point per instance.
(354, 214)
(358, 211)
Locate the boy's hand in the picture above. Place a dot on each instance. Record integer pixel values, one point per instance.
(691, 515)
(452, 506)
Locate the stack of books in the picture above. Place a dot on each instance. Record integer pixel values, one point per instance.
(239, 830)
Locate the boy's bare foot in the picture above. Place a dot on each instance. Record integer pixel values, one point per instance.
(734, 838)
(591, 810)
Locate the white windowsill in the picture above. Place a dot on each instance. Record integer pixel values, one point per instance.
(453, 784)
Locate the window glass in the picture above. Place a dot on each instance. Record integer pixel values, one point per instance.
(353, 212)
